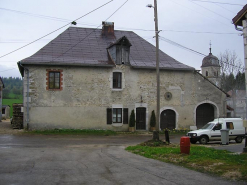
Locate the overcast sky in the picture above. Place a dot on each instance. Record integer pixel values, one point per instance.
(192, 24)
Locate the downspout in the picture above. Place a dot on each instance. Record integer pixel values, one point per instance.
(27, 95)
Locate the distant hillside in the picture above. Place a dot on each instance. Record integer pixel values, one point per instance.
(13, 88)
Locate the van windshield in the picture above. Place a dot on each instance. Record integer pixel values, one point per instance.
(208, 126)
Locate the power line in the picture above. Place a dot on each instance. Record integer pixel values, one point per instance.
(198, 12)
(90, 32)
(36, 15)
(137, 29)
(209, 10)
(8, 70)
(43, 16)
(191, 50)
(181, 46)
(218, 2)
(56, 29)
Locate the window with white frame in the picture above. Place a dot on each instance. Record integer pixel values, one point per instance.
(117, 80)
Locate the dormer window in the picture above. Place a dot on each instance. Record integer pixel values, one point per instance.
(120, 51)
(122, 55)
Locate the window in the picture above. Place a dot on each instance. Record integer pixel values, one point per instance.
(54, 78)
(229, 125)
(114, 115)
(217, 127)
(3, 111)
(117, 80)
(206, 73)
(117, 115)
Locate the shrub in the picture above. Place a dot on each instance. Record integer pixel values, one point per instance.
(132, 121)
(153, 119)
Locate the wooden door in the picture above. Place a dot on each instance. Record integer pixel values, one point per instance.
(141, 118)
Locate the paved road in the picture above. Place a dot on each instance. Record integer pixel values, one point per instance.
(70, 160)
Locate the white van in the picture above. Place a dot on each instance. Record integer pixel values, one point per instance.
(211, 131)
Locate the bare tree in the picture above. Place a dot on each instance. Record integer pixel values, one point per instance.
(232, 74)
(230, 63)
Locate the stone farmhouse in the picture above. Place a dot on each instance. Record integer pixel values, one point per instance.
(93, 78)
(1, 96)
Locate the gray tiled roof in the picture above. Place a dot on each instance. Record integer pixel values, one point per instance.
(86, 46)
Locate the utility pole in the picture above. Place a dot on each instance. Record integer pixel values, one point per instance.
(245, 60)
(156, 133)
(157, 63)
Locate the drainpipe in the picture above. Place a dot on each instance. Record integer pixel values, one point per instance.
(244, 33)
(27, 95)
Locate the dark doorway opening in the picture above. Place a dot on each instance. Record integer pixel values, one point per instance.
(141, 118)
(168, 119)
(204, 114)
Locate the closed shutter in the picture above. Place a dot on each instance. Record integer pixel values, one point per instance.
(125, 116)
(109, 116)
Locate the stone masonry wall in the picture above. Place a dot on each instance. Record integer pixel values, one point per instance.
(87, 93)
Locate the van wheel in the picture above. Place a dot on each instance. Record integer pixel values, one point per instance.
(238, 139)
(203, 140)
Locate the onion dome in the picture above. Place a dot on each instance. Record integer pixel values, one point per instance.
(210, 60)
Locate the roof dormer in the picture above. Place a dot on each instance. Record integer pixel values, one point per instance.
(120, 51)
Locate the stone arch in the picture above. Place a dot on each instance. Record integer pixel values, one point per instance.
(204, 112)
(172, 116)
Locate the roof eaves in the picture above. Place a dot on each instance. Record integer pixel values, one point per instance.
(165, 68)
(68, 64)
(237, 19)
(213, 84)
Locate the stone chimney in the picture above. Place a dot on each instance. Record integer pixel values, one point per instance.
(108, 29)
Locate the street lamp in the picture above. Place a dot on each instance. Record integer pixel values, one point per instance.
(157, 62)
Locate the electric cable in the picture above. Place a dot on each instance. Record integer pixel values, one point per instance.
(218, 2)
(209, 10)
(56, 29)
(196, 52)
(90, 32)
(173, 1)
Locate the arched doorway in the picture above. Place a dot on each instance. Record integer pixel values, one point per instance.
(168, 119)
(204, 114)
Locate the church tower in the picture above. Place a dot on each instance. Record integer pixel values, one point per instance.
(211, 68)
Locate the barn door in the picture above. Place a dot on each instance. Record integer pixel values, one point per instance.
(204, 114)
(168, 119)
(141, 118)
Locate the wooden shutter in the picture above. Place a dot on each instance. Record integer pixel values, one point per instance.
(109, 116)
(125, 115)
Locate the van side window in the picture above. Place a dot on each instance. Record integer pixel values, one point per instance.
(217, 127)
(229, 125)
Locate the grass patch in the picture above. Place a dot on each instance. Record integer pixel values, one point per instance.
(217, 162)
(10, 103)
(74, 132)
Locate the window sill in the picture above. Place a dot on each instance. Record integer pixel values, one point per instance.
(117, 89)
(117, 124)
